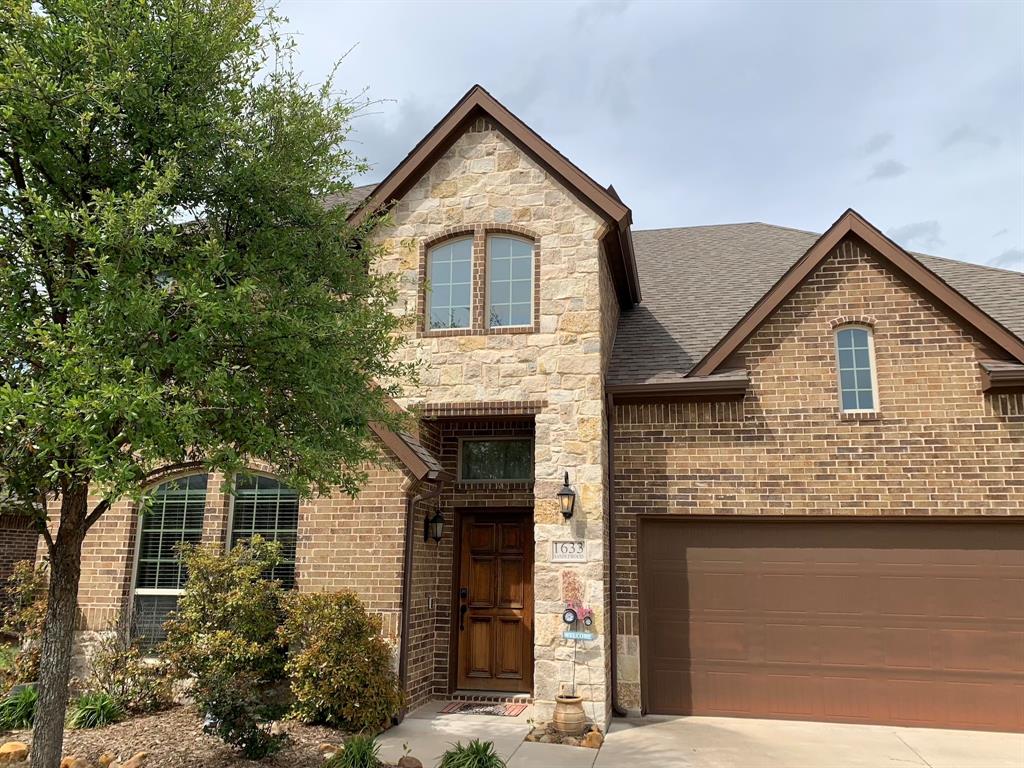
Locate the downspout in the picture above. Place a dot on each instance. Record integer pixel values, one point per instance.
(613, 602)
(411, 500)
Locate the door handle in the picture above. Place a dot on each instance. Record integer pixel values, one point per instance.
(462, 616)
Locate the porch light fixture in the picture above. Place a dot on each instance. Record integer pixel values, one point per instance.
(567, 498)
(433, 527)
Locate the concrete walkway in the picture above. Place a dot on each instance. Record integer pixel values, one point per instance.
(720, 742)
(428, 733)
(708, 742)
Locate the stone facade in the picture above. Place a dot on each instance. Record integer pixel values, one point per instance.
(485, 183)
(937, 446)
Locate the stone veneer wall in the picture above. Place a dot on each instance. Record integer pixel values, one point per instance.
(939, 446)
(484, 181)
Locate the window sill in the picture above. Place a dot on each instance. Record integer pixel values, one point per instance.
(501, 331)
(860, 415)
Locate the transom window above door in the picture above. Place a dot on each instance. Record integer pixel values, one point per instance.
(496, 459)
(449, 294)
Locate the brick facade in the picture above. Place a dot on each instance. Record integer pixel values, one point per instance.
(18, 537)
(937, 446)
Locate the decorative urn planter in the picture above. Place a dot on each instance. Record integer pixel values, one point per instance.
(569, 718)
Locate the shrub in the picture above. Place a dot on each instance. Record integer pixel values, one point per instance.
(358, 752)
(18, 710)
(476, 754)
(224, 636)
(121, 672)
(24, 611)
(338, 664)
(95, 709)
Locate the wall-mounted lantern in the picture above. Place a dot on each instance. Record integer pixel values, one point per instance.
(433, 527)
(567, 498)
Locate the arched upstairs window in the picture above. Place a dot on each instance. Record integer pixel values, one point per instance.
(855, 361)
(509, 281)
(450, 284)
(265, 507)
(174, 517)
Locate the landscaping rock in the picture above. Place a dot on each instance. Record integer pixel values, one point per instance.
(571, 741)
(13, 752)
(409, 762)
(105, 760)
(71, 761)
(137, 760)
(594, 740)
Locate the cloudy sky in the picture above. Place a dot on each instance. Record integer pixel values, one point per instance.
(707, 113)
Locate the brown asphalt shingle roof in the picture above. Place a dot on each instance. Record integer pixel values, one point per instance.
(698, 282)
(350, 199)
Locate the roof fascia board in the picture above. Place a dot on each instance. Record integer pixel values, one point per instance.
(685, 388)
(852, 222)
(416, 466)
(448, 130)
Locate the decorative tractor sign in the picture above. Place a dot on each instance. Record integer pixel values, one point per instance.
(575, 612)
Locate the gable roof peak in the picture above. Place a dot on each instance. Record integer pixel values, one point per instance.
(905, 263)
(603, 201)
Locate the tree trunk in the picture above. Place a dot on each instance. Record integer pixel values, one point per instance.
(58, 631)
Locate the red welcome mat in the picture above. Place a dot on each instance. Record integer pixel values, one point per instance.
(483, 708)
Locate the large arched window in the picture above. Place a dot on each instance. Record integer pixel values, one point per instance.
(265, 507)
(449, 291)
(509, 281)
(174, 517)
(855, 361)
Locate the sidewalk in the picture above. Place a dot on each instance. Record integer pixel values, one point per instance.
(427, 733)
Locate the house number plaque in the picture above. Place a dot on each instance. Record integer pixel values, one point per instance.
(568, 552)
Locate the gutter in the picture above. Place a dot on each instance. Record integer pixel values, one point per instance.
(998, 376)
(411, 501)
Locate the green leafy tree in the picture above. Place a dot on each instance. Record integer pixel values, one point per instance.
(172, 287)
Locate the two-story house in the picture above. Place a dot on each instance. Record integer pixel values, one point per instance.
(784, 470)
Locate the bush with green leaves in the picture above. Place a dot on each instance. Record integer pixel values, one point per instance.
(358, 752)
(24, 611)
(18, 709)
(121, 671)
(476, 754)
(224, 636)
(95, 709)
(338, 665)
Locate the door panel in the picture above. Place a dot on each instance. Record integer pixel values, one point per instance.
(494, 636)
(916, 623)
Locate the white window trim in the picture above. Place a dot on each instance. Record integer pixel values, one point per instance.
(428, 289)
(154, 591)
(487, 289)
(871, 361)
(486, 481)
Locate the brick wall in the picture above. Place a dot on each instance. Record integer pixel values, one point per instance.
(433, 568)
(18, 538)
(938, 445)
(343, 543)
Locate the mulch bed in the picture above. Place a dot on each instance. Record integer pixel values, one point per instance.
(175, 739)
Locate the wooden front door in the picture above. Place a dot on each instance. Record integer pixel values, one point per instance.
(494, 599)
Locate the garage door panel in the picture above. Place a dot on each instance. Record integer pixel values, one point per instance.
(915, 623)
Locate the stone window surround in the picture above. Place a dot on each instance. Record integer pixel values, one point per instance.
(478, 293)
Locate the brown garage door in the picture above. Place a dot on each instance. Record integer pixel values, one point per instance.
(908, 623)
